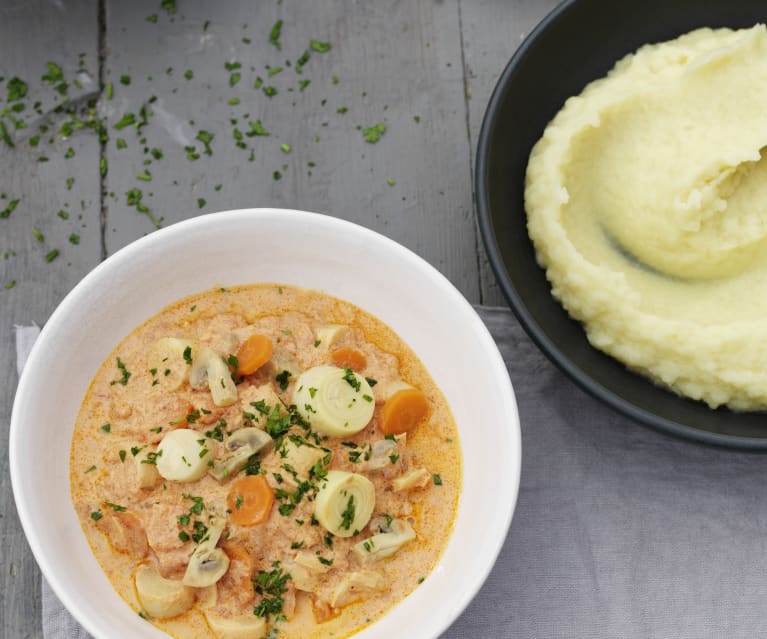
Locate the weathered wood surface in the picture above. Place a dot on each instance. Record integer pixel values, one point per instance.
(425, 69)
(31, 34)
(492, 30)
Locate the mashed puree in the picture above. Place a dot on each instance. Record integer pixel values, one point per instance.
(647, 205)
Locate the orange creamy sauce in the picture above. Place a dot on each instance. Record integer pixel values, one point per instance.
(145, 408)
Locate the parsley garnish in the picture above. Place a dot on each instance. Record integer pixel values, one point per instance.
(351, 379)
(126, 374)
(437, 479)
(282, 378)
(271, 586)
(347, 517)
(320, 47)
(9, 209)
(274, 35)
(373, 134)
(188, 355)
(96, 515)
(116, 507)
(206, 138)
(106, 428)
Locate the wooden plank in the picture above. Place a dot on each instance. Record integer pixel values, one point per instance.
(33, 33)
(395, 62)
(492, 30)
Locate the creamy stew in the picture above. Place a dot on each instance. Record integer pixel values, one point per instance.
(264, 461)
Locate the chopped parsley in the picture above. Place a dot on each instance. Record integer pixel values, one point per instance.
(371, 382)
(217, 433)
(124, 121)
(274, 35)
(188, 355)
(10, 208)
(373, 134)
(96, 515)
(206, 137)
(347, 517)
(271, 586)
(126, 374)
(320, 47)
(106, 428)
(116, 507)
(122, 454)
(437, 479)
(282, 378)
(256, 128)
(351, 379)
(51, 255)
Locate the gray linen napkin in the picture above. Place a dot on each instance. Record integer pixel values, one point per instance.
(619, 531)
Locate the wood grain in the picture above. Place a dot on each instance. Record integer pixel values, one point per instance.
(492, 30)
(33, 33)
(424, 69)
(395, 63)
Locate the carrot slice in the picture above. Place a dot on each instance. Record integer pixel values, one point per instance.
(250, 500)
(403, 411)
(253, 354)
(349, 358)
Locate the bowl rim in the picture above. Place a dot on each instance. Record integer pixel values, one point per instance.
(517, 304)
(433, 627)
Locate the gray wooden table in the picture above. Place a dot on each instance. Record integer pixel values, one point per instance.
(112, 137)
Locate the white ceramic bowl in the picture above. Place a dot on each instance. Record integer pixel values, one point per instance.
(265, 245)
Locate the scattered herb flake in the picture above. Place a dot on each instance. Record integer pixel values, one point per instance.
(320, 47)
(373, 134)
(126, 374)
(275, 33)
(206, 138)
(10, 208)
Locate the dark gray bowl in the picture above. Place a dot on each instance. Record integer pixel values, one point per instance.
(576, 43)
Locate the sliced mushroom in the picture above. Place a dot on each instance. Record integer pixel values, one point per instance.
(146, 467)
(206, 566)
(412, 480)
(330, 334)
(240, 627)
(255, 438)
(208, 367)
(160, 597)
(358, 585)
(393, 536)
(240, 446)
